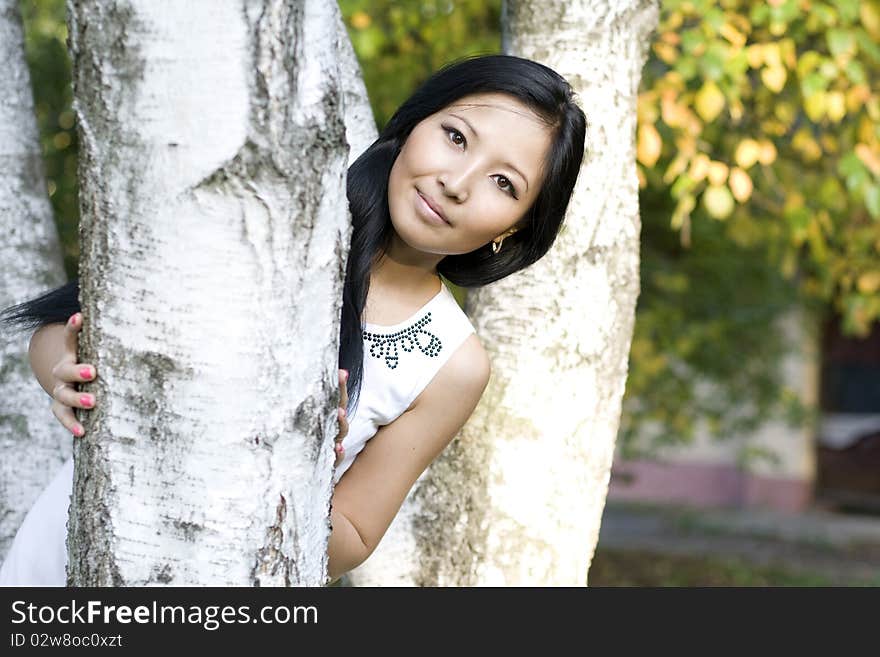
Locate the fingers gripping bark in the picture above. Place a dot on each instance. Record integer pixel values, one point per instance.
(343, 419)
(67, 373)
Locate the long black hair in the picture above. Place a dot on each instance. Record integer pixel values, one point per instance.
(538, 87)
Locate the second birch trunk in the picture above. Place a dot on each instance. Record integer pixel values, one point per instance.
(33, 445)
(517, 497)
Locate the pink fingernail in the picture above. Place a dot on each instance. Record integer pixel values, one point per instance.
(78, 431)
(339, 448)
(86, 372)
(86, 400)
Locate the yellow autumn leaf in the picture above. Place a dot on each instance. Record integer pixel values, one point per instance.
(649, 145)
(774, 78)
(718, 202)
(777, 28)
(829, 142)
(676, 167)
(815, 105)
(709, 101)
(835, 105)
(772, 55)
(755, 55)
(873, 107)
(869, 282)
(767, 153)
(360, 20)
(672, 113)
(804, 143)
(682, 211)
(868, 157)
(740, 184)
(789, 52)
(736, 110)
(666, 52)
(865, 131)
(747, 153)
(699, 167)
(869, 12)
(856, 96)
(646, 108)
(793, 201)
(717, 173)
(733, 35)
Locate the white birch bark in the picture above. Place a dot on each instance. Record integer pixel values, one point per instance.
(360, 125)
(517, 498)
(33, 445)
(215, 234)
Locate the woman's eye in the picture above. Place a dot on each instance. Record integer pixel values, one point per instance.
(505, 185)
(455, 133)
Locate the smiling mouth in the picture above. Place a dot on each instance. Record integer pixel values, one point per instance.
(428, 212)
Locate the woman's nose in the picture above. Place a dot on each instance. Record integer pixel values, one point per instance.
(456, 184)
(455, 191)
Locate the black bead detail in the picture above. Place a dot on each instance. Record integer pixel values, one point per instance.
(385, 344)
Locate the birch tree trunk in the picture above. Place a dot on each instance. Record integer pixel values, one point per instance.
(360, 125)
(214, 239)
(517, 498)
(33, 445)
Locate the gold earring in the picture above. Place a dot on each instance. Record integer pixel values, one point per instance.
(496, 246)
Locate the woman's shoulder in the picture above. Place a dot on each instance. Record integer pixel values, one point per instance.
(467, 372)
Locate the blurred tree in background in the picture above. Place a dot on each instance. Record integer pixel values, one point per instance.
(759, 153)
(759, 140)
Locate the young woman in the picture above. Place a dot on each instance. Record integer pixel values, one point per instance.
(468, 181)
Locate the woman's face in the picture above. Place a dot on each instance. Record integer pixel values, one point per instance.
(477, 161)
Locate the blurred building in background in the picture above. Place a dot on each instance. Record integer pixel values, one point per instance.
(834, 464)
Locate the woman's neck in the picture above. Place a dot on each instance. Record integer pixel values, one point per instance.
(405, 270)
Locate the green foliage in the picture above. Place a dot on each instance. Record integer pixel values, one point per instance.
(758, 144)
(46, 52)
(707, 343)
(768, 114)
(400, 44)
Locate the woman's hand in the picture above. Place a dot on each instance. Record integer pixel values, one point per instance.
(343, 420)
(68, 372)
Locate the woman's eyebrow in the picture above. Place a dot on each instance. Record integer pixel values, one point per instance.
(506, 164)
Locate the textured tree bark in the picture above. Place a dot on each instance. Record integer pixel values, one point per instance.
(214, 233)
(517, 498)
(360, 125)
(32, 443)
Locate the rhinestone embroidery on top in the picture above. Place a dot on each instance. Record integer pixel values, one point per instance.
(385, 344)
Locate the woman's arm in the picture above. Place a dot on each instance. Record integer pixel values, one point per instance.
(370, 493)
(372, 490)
(346, 549)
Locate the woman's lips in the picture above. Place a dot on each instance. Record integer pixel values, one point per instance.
(427, 212)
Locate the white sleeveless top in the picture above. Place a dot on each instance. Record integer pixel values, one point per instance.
(399, 362)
